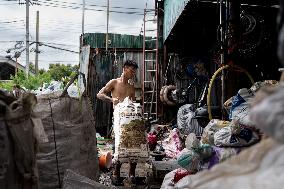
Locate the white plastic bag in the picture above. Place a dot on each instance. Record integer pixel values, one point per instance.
(185, 122)
(240, 107)
(128, 125)
(213, 126)
(235, 135)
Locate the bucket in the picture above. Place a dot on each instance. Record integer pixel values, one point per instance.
(105, 160)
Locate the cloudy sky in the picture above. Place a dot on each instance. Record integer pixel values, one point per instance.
(60, 23)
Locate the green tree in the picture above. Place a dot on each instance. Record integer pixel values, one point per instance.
(8, 85)
(59, 71)
(32, 67)
(41, 71)
(32, 82)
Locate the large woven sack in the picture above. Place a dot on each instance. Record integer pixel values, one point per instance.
(17, 142)
(70, 126)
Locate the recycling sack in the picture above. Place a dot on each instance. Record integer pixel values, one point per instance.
(129, 129)
(70, 127)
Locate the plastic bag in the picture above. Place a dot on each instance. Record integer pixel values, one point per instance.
(221, 154)
(174, 177)
(240, 107)
(235, 135)
(189, 160)
(191, 142)
(213, 126)
(129, 127)
(172, 144)
(203, 150)
(260, 166)
(186, 123)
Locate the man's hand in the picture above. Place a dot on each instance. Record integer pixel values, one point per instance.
(115, 101)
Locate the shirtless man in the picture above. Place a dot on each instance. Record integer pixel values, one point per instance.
(120, 88)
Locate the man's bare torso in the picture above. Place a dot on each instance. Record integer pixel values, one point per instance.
(122, 90)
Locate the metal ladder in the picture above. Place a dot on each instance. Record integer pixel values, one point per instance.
(150, 64)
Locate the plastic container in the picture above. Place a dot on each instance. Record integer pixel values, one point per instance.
(105, 160)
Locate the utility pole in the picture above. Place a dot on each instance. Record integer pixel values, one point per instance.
(16, 68)
(37, 41)
(107, 25)
(27, 37)
(83, 23)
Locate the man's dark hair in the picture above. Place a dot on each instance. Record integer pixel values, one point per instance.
(130, 63)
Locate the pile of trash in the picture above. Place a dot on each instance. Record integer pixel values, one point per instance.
(259, 166)
(57, 86)
(197, 148)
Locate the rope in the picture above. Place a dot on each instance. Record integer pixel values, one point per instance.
(55, 145)
(233, 68)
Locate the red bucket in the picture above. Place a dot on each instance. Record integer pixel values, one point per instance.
(105, 160)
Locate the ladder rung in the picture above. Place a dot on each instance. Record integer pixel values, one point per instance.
(148, 81)
(148, 91)
(151, 70)
(149, 102)
(150, 10)
(150, 60)
(151, 50)
(148, 40)
(151, 30)
(153, 39)
(151, 20)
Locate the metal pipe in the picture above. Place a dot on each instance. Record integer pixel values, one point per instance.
(222, 61)
(107, 25)
(37, 41)
(27, 37)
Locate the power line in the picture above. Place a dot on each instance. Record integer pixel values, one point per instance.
(63, 4)
(94, 5)
(74, 29)
(12, 21)
(51, 4)
(59, 48)
(8, 3)
(90, 26)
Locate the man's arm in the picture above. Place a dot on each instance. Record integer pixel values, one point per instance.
(102, 94)
(132, 94)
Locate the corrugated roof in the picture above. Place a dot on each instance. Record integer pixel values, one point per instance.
(172, 11)
(97, 40)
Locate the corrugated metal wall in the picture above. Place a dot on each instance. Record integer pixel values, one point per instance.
(97, 40)
(131, 55)
(104, 67)
(100, 72)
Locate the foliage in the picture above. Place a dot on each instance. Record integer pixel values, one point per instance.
(8, 85)
(60, 71)
(57, 72)
(32, 82)
(32, 67)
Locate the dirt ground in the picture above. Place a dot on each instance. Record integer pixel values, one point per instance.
(105, 179)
